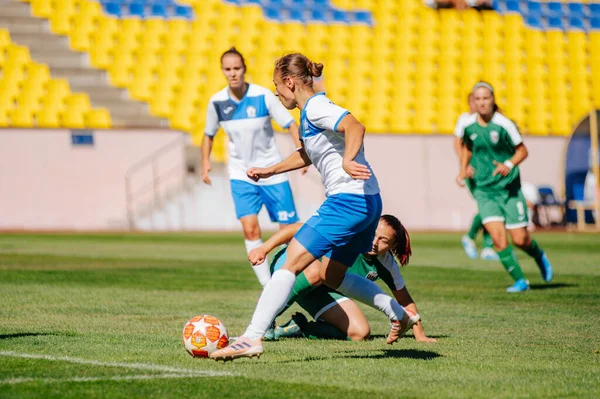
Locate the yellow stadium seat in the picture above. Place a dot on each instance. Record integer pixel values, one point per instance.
(61, 17)
(4, 117)
(22, 117)
(98, 118)
(73, 119)
(58, 90)
(4, 38)
(41, 8)
(100, 50)
(120, 69)
(48, 117)
(140, 85)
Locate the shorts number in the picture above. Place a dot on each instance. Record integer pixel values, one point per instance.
(520, 209)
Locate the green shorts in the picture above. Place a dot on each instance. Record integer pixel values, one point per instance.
(320, 300)
(506, 206)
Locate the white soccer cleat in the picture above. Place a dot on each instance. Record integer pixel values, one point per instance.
(242, 347)
(398, 328)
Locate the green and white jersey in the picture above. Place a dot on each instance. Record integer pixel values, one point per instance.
(495, 142)
(384, 267)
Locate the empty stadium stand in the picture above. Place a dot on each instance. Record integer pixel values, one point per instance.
(400, 66)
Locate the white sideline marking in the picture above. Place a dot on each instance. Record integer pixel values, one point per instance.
(136, 366)
(22, 380)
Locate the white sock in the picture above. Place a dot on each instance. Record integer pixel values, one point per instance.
(262, 271)
(369, 293)
(272, 300)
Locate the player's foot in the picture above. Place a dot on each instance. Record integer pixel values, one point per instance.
(519, 286)
(469, 246)
(489, 254)
(270, 333)
(545, 267)
(242, 347)
(399, 327)
(293, 328)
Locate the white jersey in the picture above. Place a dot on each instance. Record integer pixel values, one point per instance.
(462, 123)
(388, 261)
(248, 125)
(325, 147)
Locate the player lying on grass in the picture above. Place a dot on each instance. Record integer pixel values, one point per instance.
(337, 316)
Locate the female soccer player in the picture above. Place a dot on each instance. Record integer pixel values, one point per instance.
(468, 240)
(494, 149)
(244, 111)
(343, 227)
(335, 315)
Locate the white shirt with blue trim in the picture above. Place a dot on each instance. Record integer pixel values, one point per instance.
(325, 147)
(248, 125)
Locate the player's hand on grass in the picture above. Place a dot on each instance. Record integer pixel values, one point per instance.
(501, 169)
(206, 167)
(257, 256)
(356, 170)
(259, 173)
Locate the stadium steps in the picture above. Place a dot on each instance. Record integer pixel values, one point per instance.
(54, 51)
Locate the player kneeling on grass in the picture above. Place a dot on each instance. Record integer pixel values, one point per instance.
(337, 316)
(492, 151)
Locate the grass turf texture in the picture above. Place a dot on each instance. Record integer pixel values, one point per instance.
(117, 300)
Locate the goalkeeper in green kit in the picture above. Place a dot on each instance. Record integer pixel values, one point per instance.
(493, 149)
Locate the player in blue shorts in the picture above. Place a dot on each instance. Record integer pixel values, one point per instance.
(336, 316)
(244, 111)
(343, 227)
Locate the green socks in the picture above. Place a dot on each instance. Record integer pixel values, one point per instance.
(534, 250)
(476, 225)
(487, 239)
(510, 263)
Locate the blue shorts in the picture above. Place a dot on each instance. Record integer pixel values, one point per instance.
(342, 228)
(249, 199)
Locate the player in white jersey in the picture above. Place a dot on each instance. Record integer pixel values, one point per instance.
(244, 111)
(468, 240)
(342, 228)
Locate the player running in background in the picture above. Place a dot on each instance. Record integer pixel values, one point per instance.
(343, 227)
(336, 316)
(468, 240)
(494, 149)
(244, 111)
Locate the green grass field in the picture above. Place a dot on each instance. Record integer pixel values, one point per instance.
(101, 316)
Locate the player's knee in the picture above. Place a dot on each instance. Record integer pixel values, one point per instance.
(359, 332)
(251, 231)
(522, 240)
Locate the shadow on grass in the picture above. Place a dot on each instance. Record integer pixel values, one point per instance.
(400, 353)
(373, 336)
(29, 334)
(551, 286)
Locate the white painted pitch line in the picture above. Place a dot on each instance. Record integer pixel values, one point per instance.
(23, 380)
(136, 366)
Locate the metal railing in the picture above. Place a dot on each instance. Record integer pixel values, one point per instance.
(157, 182)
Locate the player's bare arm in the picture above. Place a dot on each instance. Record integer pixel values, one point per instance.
(206, 149)
(282, 236)
(355, 134)
(504, 169)
(298, 159)
(464, 166)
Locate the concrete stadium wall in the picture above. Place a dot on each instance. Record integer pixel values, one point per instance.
(48, 182)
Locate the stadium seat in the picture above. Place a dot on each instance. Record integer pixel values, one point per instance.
(22, 117)
(98, 118)
(48, 118)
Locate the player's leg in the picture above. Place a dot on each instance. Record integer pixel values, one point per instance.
(247, 201)
(517, 223)
(492, 212)
(468, 240)
(346, 317)
(279, 201)
(273, 298)
(487, 251)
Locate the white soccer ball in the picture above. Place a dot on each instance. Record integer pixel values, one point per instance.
(202, 335)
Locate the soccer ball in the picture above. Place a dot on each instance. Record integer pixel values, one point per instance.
(202, 335)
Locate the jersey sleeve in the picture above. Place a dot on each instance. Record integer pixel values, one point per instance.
(278, 111)
(513, 132)
(466, 139)
(389, 272)
(459, 129)
(212, 120)
(326, 115)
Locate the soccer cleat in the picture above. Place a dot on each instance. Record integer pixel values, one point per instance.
(545, 267)
(242, 347)
(398, 328)
(469, 246)
(293, 328)
(270, 333)
(489, 254)
(519, 286)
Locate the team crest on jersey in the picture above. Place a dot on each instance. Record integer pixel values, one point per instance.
(473, 136)
(372, 276)
(251, 112)
(494, 136)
